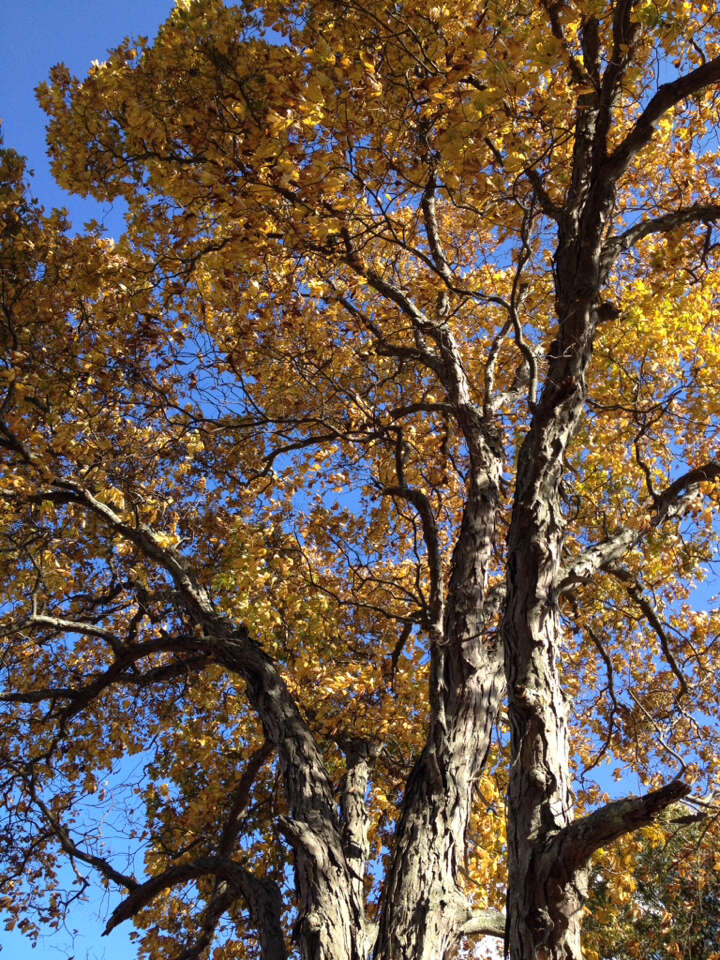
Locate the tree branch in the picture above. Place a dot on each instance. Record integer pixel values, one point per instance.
(241, 797)
(583, 568)
(549, 208)
(686, 485)
(63, 837)
(83, 696)
(698, 213)
(261, 895)
(431, 229)
(634, 591)
(667, 96)
(220, 902)
(609, 673)
(485, 923)
(575, 844)
(72, 626)
(432, 544)
(313, 826)
(604, 554)
(356, 818)
(553, 8)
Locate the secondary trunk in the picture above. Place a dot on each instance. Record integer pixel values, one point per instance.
(423, 906)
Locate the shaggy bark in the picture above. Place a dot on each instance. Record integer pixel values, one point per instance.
(330, 922)
(422, 907)
(548, 852)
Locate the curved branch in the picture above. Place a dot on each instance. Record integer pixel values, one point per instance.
(62, 834)
(668, 505)
(82, 697)
(634, 591)
(328, 905)
(686, 485)
(241, 798)
(430, 535)
(667, 96)
(484, 923)
(610, 674)
(261, 895)
(433, 234)
(697, 213)
(220, 902)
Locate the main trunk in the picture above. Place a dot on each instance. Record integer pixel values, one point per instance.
(545, 898)
(544, 905)
(423, 904)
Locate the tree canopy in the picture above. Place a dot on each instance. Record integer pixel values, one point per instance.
(667, 905)
(355, 500)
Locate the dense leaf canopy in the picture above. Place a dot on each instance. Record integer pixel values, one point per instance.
(355, 501)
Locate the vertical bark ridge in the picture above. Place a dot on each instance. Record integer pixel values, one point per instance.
(355, 817)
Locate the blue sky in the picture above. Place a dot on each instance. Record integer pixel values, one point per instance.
(35, 35)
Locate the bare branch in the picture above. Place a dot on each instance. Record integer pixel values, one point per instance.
(610, 674)
(397, 650)
(432, 544)
(684, 486)
(583, 568)
(241, 798)
(144, 893)
(262, 896)
(658, 733)
(65, 840)
(485, 923)
(72, 626)
(635, 592)
(490, 405)
(549, 208)
(668, 505)
(433, 234)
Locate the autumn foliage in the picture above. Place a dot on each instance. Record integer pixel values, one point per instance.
(356, 500)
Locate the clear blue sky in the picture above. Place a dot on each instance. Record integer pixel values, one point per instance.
(35, 35)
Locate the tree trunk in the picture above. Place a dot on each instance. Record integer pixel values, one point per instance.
(423, 906)
(544, 906)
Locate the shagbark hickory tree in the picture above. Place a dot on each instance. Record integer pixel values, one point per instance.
(359, 491)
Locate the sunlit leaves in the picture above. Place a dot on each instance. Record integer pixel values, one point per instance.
(251, 382)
